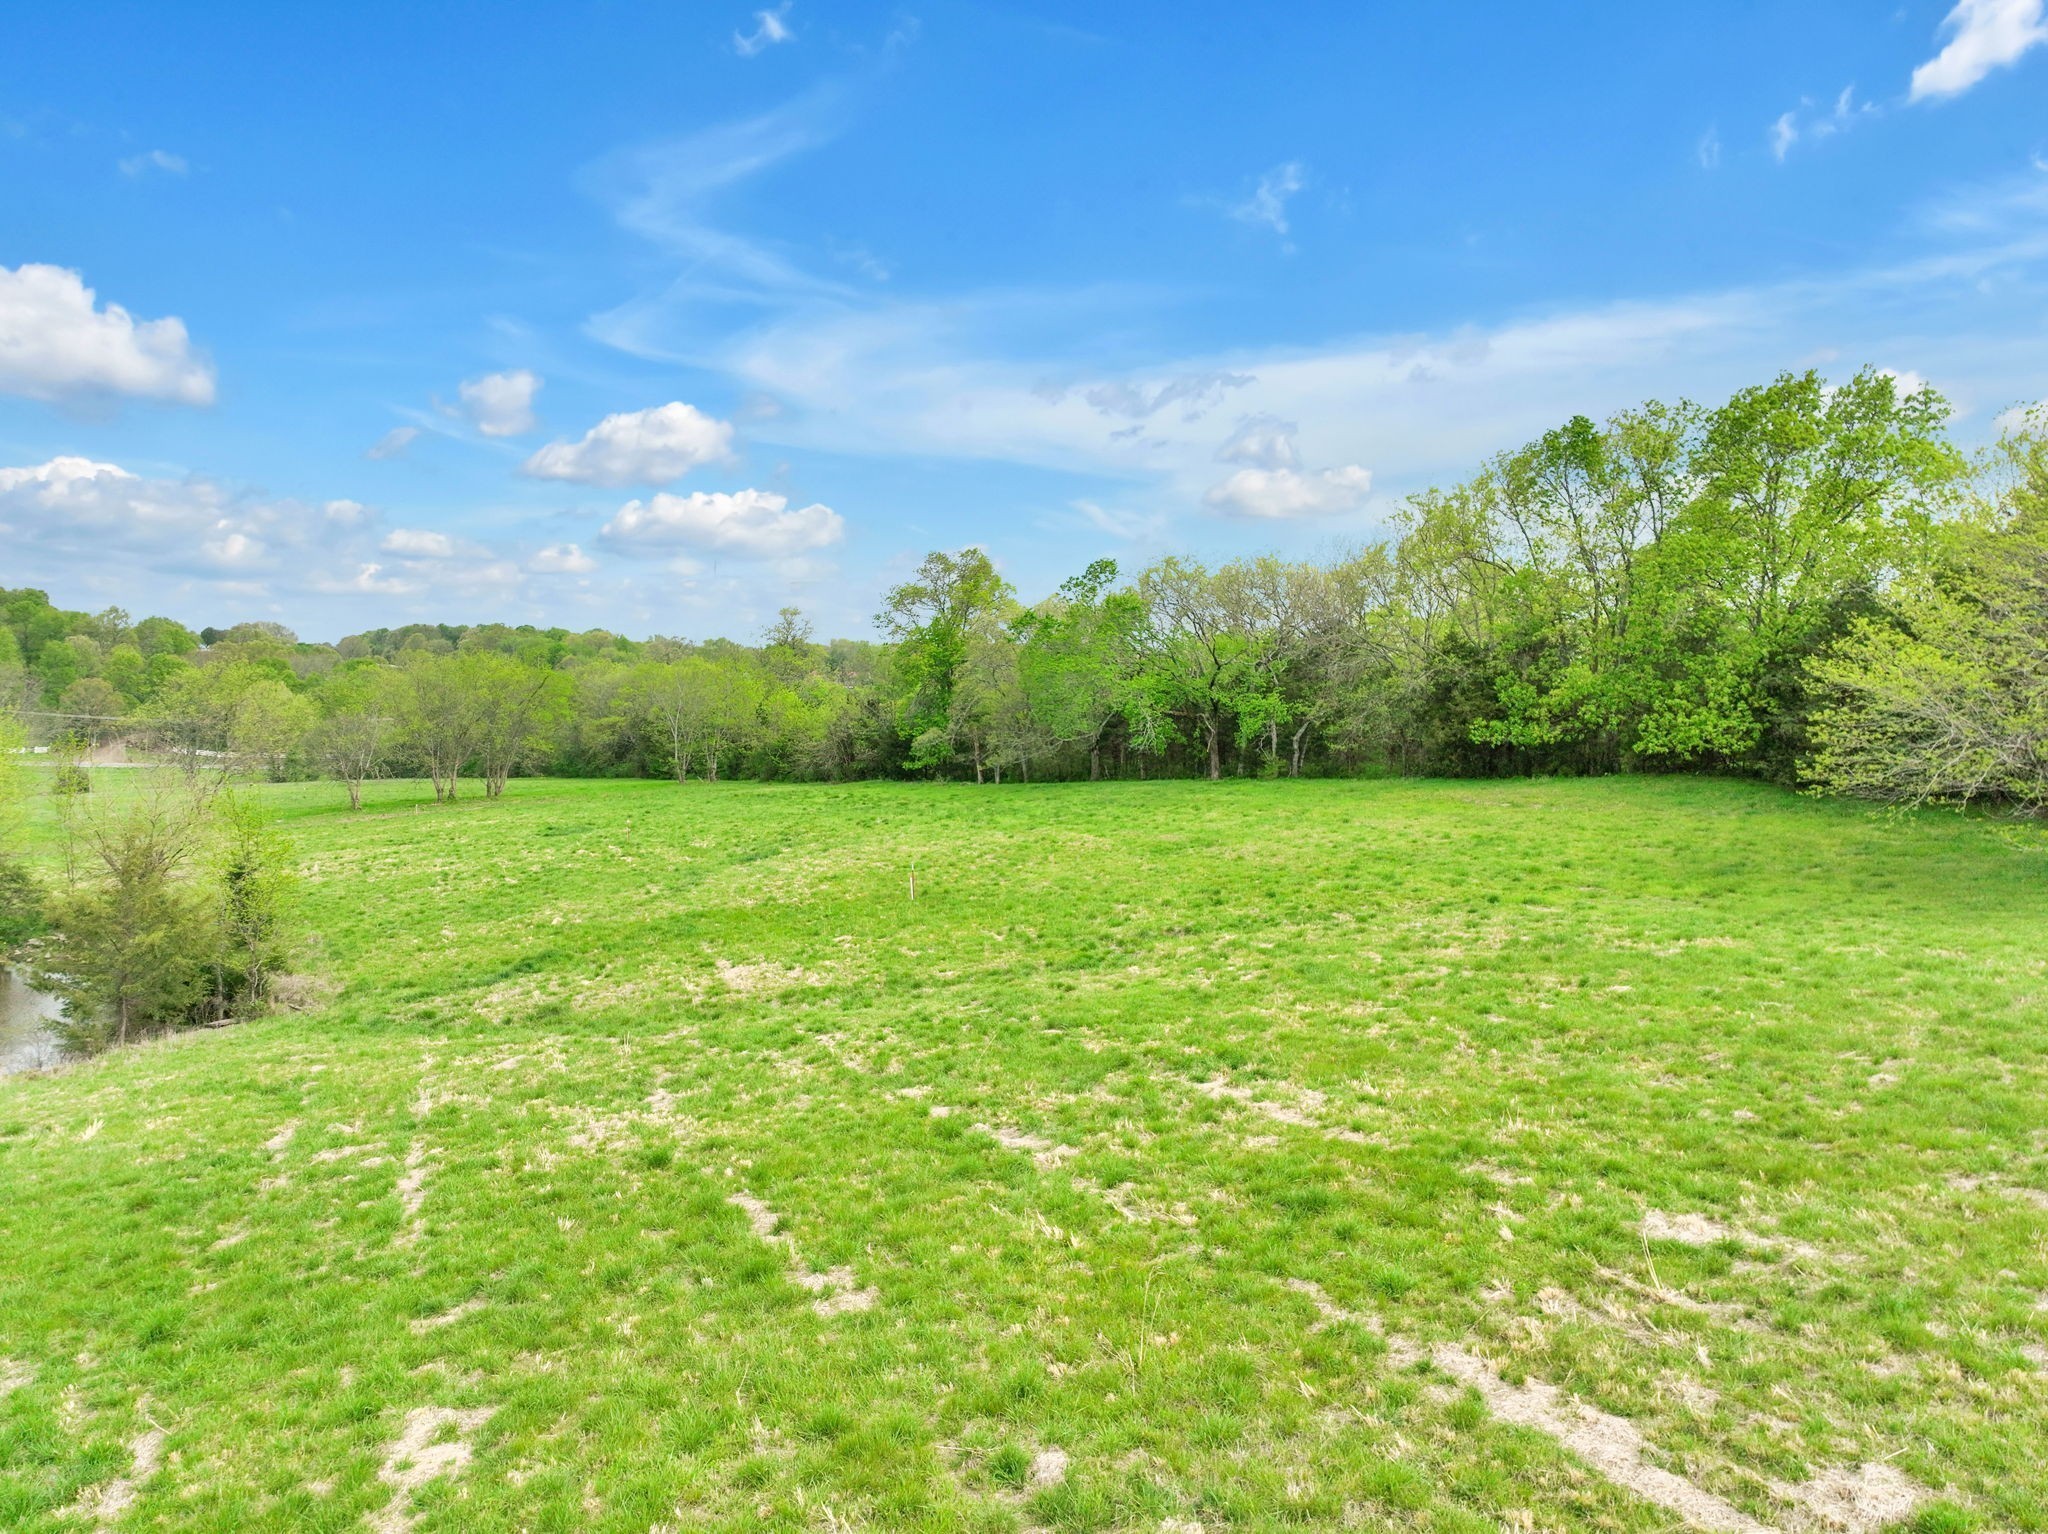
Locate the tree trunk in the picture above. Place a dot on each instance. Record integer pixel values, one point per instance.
(1095, 764)
(977, 760)
(1294, 762)
(1215, 749)
(355, 793)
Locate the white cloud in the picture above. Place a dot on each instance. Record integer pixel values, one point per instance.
(156, 159)
(1983, 35)
(347, 513)
(1784, 134)
(1708, 150)
(393, 443)
(1141, 399)
(641, 447)
(61, 474)
(234, 549)
(1263, 441)
(1267, 205)
(369, 579)
(2032, 417)
(562, 559)
(55, 343)
(965, 378)
(419, 543)
(772, 28)
(752, 523)
(1807, 121)
(501, 404)
(1905, 382)
(93, 515)
(1129, 526)
(1280, 494)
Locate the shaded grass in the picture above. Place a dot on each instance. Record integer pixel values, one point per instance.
(1434, 1048)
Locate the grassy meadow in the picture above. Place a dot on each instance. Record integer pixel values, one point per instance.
(1626, 1154)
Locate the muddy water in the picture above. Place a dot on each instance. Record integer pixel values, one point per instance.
(26, 1043)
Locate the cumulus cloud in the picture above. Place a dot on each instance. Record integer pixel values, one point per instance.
(419, 543)
(1264, 441)
(562, 559)
(93, 513)
(1273, 485)
(640, 447)
(1906, 382)
(501, 404)
(56, 343)
(393, 443)
(1267, 205)
(1983, 35)
(771, 27)
(1280, 494)
(752, 523)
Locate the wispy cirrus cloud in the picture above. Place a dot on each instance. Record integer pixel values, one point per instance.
(159, 160)
(770, 27)
(964, 376)
(1266, 207)
(1811, 123)
(393, 443)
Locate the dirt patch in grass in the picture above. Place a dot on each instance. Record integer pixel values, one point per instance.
(1861, 1501)
(412, 1194)
(1611, 1445)
(1299, 1107)
(1048, 1469)
(426, 1324)
(421, 1454)
(1045, 1155)
(838, 1291)
(105, 1505)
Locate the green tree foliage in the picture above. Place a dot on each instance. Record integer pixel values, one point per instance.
(1675, 588)
(933, 619)
(130, 941)
(1944, 695)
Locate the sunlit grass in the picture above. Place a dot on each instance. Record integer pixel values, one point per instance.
(1128, 1179)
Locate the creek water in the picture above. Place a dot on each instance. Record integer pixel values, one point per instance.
(26, 1043)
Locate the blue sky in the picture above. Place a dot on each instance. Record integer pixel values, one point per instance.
(658, 317)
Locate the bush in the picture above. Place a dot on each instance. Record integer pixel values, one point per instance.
(180, 920)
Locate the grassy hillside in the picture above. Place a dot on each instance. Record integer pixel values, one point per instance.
(1597, 1155)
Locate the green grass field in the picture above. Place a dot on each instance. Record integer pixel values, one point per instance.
(1631, 1154)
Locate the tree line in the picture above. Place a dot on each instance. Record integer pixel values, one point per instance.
(1808, 583)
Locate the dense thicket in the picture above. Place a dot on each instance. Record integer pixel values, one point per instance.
(1810, 580)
